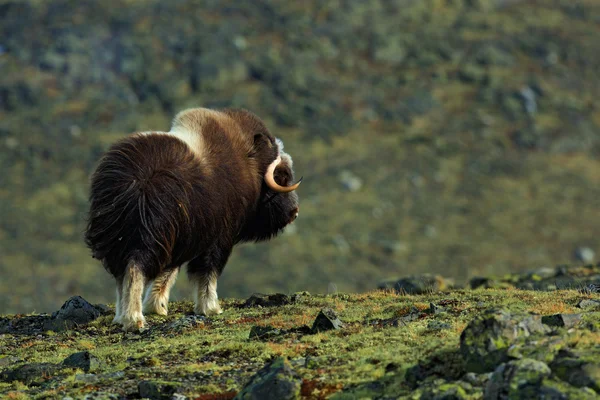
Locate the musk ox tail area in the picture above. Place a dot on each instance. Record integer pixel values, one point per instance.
(141, 199)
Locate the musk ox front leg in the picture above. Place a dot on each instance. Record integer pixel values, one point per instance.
(206, 300)
(131, 316)
(156, 300)
(204, 272)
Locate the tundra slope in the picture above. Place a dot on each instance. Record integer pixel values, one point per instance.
(163, 199)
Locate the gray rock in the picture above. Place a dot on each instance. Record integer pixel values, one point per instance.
(299, 297)
(518, 379)
(485, 341)
(83, 360)
(87, 378)
(588, 304)
(74, 312)
(438, 325)
(578, 372)
(267, 300)
(264, 332)
(326, 320)
(155, 391)
(29, 373)
(276, 381)
(350, 181)
(585, 254)
(435, 309)
(562, 320)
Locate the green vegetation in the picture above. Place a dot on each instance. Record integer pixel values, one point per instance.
(390, 345)
(449, 136)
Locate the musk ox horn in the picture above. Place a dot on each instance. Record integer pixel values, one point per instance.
(270, 179)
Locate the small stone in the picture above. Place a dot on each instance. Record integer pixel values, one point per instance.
(326, 320)
(350, 181)
(435, 309)
(275, 381)
(585, 254)
(264, 332)
(267, 300)
(438, 325)
(154, 391)
(562, 320)
(592, 288)
(588, 304)
(83, 360)
(300, 296)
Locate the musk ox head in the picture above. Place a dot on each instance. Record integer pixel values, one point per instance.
(278, 202)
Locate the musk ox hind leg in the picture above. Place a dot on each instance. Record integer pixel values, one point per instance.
(156, 299)
(131, 298)
(117, 319)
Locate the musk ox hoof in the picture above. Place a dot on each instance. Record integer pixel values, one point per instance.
(212, 308)
(117, 320)
(133, 323)
(155, 306)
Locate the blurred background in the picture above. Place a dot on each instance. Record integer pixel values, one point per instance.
(457, 137)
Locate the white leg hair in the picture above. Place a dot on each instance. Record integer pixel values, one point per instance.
(117, 319)
(131, 298)
(205, 294)
(156, 299)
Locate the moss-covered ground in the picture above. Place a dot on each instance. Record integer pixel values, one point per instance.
(384, 335)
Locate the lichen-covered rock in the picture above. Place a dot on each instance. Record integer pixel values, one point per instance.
(155, 391)
(276, 381)
(75, 311)
(517, 379)
(589, 304)
(485, 341)
(578, 372)
(326, 320)
(83, 360)
(552, 389)
(30, 373)
(447, 391)
(263, 332)
(418, 284)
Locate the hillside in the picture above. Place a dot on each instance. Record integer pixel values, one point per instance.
(444, 344)
(454, 137)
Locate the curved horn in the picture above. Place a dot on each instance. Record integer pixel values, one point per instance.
(270, 179)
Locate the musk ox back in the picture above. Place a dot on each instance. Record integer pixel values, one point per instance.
(159, 200)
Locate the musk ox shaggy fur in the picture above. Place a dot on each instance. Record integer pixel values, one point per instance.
(159, 200)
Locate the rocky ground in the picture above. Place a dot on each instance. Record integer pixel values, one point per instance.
(512, 338)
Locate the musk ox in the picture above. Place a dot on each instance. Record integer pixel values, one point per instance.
(159, 200)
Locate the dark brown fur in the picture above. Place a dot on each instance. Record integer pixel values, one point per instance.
(156, 203)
